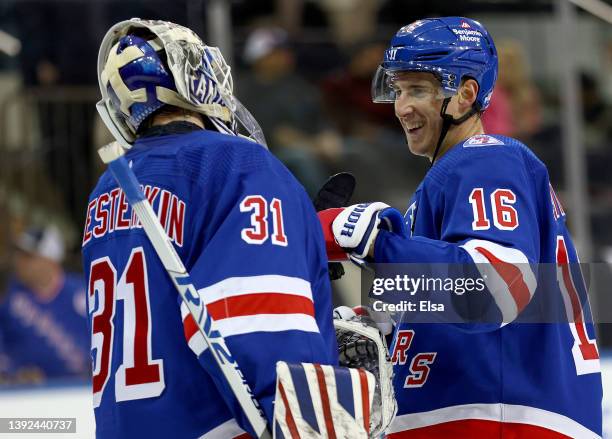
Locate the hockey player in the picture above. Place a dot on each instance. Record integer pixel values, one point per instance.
(244, 228)
(486, 199)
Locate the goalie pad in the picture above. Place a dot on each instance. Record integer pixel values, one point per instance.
(322, 402)
(361, 345)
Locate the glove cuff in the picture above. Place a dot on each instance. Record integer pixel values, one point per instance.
(333, 250)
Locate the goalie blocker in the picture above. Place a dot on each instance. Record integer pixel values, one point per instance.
(317, 401)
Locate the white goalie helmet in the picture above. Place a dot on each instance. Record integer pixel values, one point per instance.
(146, 64)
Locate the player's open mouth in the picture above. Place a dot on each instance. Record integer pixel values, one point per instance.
(414, 128)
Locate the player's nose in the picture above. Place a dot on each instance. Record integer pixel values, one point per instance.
(403, 108)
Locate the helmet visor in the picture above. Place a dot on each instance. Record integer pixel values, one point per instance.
(382, 91)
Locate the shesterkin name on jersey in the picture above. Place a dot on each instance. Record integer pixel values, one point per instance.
(481, 140)
(110, 211)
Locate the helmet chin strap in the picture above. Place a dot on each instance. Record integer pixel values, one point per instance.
(447, 121)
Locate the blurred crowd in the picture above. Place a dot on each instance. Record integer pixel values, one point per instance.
(43, 329)
(303, 68)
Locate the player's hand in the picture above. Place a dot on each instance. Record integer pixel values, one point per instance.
(355, 228)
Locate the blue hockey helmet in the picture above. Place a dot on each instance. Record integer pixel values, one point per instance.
(146, 64)
(452, 48)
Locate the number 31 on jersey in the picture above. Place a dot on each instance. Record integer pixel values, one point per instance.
(139, 375)
(259, 232)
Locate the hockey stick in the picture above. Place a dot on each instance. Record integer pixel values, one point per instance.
(113, 155)
(336, 192)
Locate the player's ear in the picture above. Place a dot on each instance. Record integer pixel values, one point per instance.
(468, 93)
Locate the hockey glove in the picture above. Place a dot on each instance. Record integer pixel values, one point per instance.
(326, 218)
(360, 344)
(355, 228)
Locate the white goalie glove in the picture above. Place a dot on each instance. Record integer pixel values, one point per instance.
(361, 344)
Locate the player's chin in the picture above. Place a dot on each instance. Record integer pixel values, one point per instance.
(417, 147)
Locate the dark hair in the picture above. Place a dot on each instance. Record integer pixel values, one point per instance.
(171, 110)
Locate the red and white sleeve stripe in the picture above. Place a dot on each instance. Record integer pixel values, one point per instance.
(240, 305)
(194, 338)
(507, 274)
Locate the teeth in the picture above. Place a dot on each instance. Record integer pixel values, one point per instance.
(414, 126)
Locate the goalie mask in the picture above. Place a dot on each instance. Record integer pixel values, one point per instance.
(145, 64)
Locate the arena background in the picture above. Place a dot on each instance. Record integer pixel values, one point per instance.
(303, 68)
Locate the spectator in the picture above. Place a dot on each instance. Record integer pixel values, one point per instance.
(515, 110)
(288, 108)
(372, 149)
(351, 20)
(347, 92)
(515, 105)
(51, 69)
(43, 316)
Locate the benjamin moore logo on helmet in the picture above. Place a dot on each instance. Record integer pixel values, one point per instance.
(468, 35)
(410, 28)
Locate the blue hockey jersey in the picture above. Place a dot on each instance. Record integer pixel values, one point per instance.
(248, 234)
(48, 338)
(489, 200)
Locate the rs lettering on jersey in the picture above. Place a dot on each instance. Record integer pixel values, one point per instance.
(419, 365)
(110, 212)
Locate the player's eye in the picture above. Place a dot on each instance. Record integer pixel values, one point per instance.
(419, 92)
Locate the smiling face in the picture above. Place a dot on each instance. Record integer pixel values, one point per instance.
(417, 106)
(419, 98)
